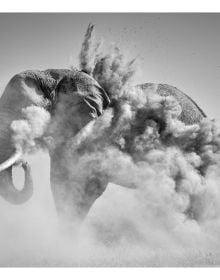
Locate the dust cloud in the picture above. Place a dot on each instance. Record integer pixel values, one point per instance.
(27, 132)
(162, 204)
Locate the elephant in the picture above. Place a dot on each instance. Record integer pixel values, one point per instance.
(74, 99)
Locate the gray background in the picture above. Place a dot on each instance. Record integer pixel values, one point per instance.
(179, 49)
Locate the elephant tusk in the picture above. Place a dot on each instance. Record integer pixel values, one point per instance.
(12, 160)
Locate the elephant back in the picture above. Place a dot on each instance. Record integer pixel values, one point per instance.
(191, 112)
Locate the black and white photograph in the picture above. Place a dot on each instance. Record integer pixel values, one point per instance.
(109, 140)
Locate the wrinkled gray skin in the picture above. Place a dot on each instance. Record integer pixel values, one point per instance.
(73, 99)
(191, 113)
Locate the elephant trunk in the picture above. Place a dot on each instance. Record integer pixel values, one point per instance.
(7, 189)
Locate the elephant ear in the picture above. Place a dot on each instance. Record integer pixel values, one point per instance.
(85, 89)
(97, 100)
(94, 95)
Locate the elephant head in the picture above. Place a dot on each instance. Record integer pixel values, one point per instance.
(72, 99)
(79, 99)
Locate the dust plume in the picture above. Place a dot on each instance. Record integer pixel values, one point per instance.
(111, 68)
(28, 132)
(89, 51)
(172, 168)
(161, 206)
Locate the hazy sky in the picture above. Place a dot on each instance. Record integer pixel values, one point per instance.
(179, 49)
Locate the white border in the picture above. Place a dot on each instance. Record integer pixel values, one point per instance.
(109, 6)
(110, 273)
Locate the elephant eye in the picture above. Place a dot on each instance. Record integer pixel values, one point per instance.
(62, 88)
(67, 87)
